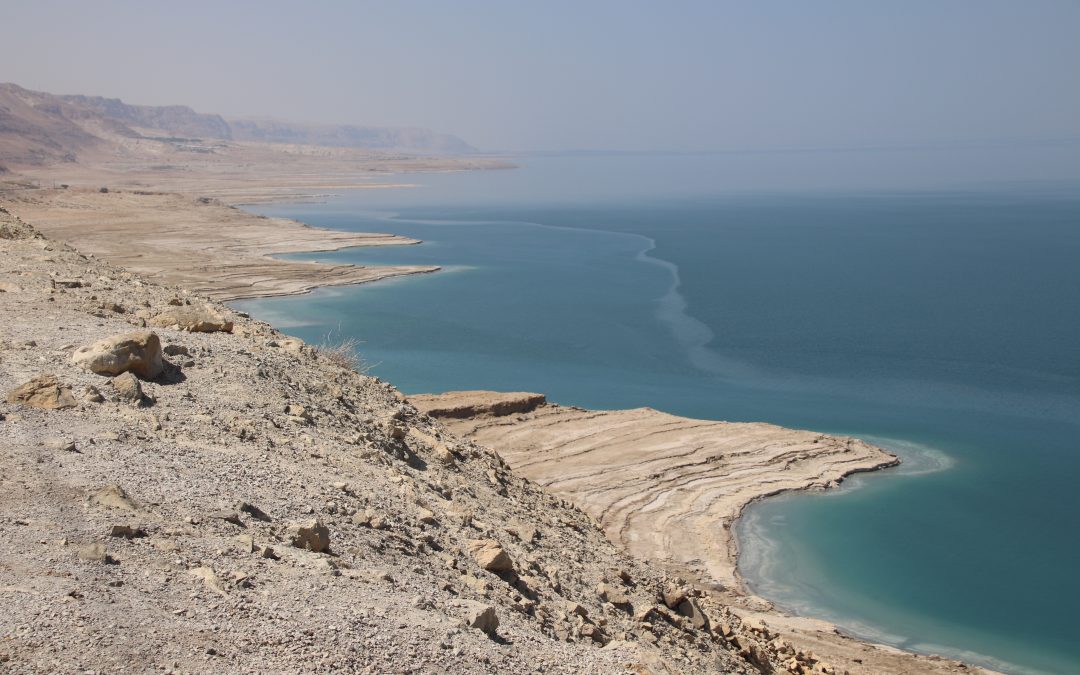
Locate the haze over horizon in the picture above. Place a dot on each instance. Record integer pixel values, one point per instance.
(628, 76)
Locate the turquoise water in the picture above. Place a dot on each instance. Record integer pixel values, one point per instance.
(941, 320)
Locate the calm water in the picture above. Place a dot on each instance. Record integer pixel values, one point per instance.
(943, 323)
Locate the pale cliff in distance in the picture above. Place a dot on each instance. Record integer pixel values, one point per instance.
(38, 128)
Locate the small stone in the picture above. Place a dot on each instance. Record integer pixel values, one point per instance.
(489, 554)
(210, 578)
(176, 350)
(427, 516)
(93, 552)
(113, 497)
(228, 516)
(311, 535)
(690, 609)
(126, 531)
(673, 596)
(482, 617)
(573, 608)
(612, 594)
(61, 444)
(253, 511)
(128, 388)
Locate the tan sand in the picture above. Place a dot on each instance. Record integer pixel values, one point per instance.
(206, 246)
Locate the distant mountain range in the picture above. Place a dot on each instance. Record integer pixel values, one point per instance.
(40, 128)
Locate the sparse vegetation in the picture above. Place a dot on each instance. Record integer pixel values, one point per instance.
(344, 352)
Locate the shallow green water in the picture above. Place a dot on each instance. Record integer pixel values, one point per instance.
(944, 324)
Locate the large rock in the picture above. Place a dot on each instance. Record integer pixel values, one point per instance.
(194, 319)
(138, 353)
(489, 554)
(44, 391)
(312, 535)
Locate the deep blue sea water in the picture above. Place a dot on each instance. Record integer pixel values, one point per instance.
(928, 301)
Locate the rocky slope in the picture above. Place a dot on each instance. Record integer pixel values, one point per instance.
(259, 506)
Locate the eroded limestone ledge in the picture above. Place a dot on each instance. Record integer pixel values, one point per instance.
(667, 488)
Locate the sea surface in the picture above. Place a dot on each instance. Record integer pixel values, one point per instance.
(927, 300)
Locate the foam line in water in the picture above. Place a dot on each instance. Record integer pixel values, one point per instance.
(691, 334)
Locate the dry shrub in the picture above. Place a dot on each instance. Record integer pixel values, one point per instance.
(343, 352)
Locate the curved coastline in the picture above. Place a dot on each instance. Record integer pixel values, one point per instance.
(694, 337)
(672, 312)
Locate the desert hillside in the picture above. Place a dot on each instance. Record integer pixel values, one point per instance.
(38, 128)
(188, 489)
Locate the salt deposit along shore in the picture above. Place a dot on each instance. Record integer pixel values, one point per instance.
(663, 489)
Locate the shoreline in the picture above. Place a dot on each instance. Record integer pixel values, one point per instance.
(579, 454)
(316, 275)
(733, 544)
(215, 249)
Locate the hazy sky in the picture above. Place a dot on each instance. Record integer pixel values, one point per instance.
(563, 75)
